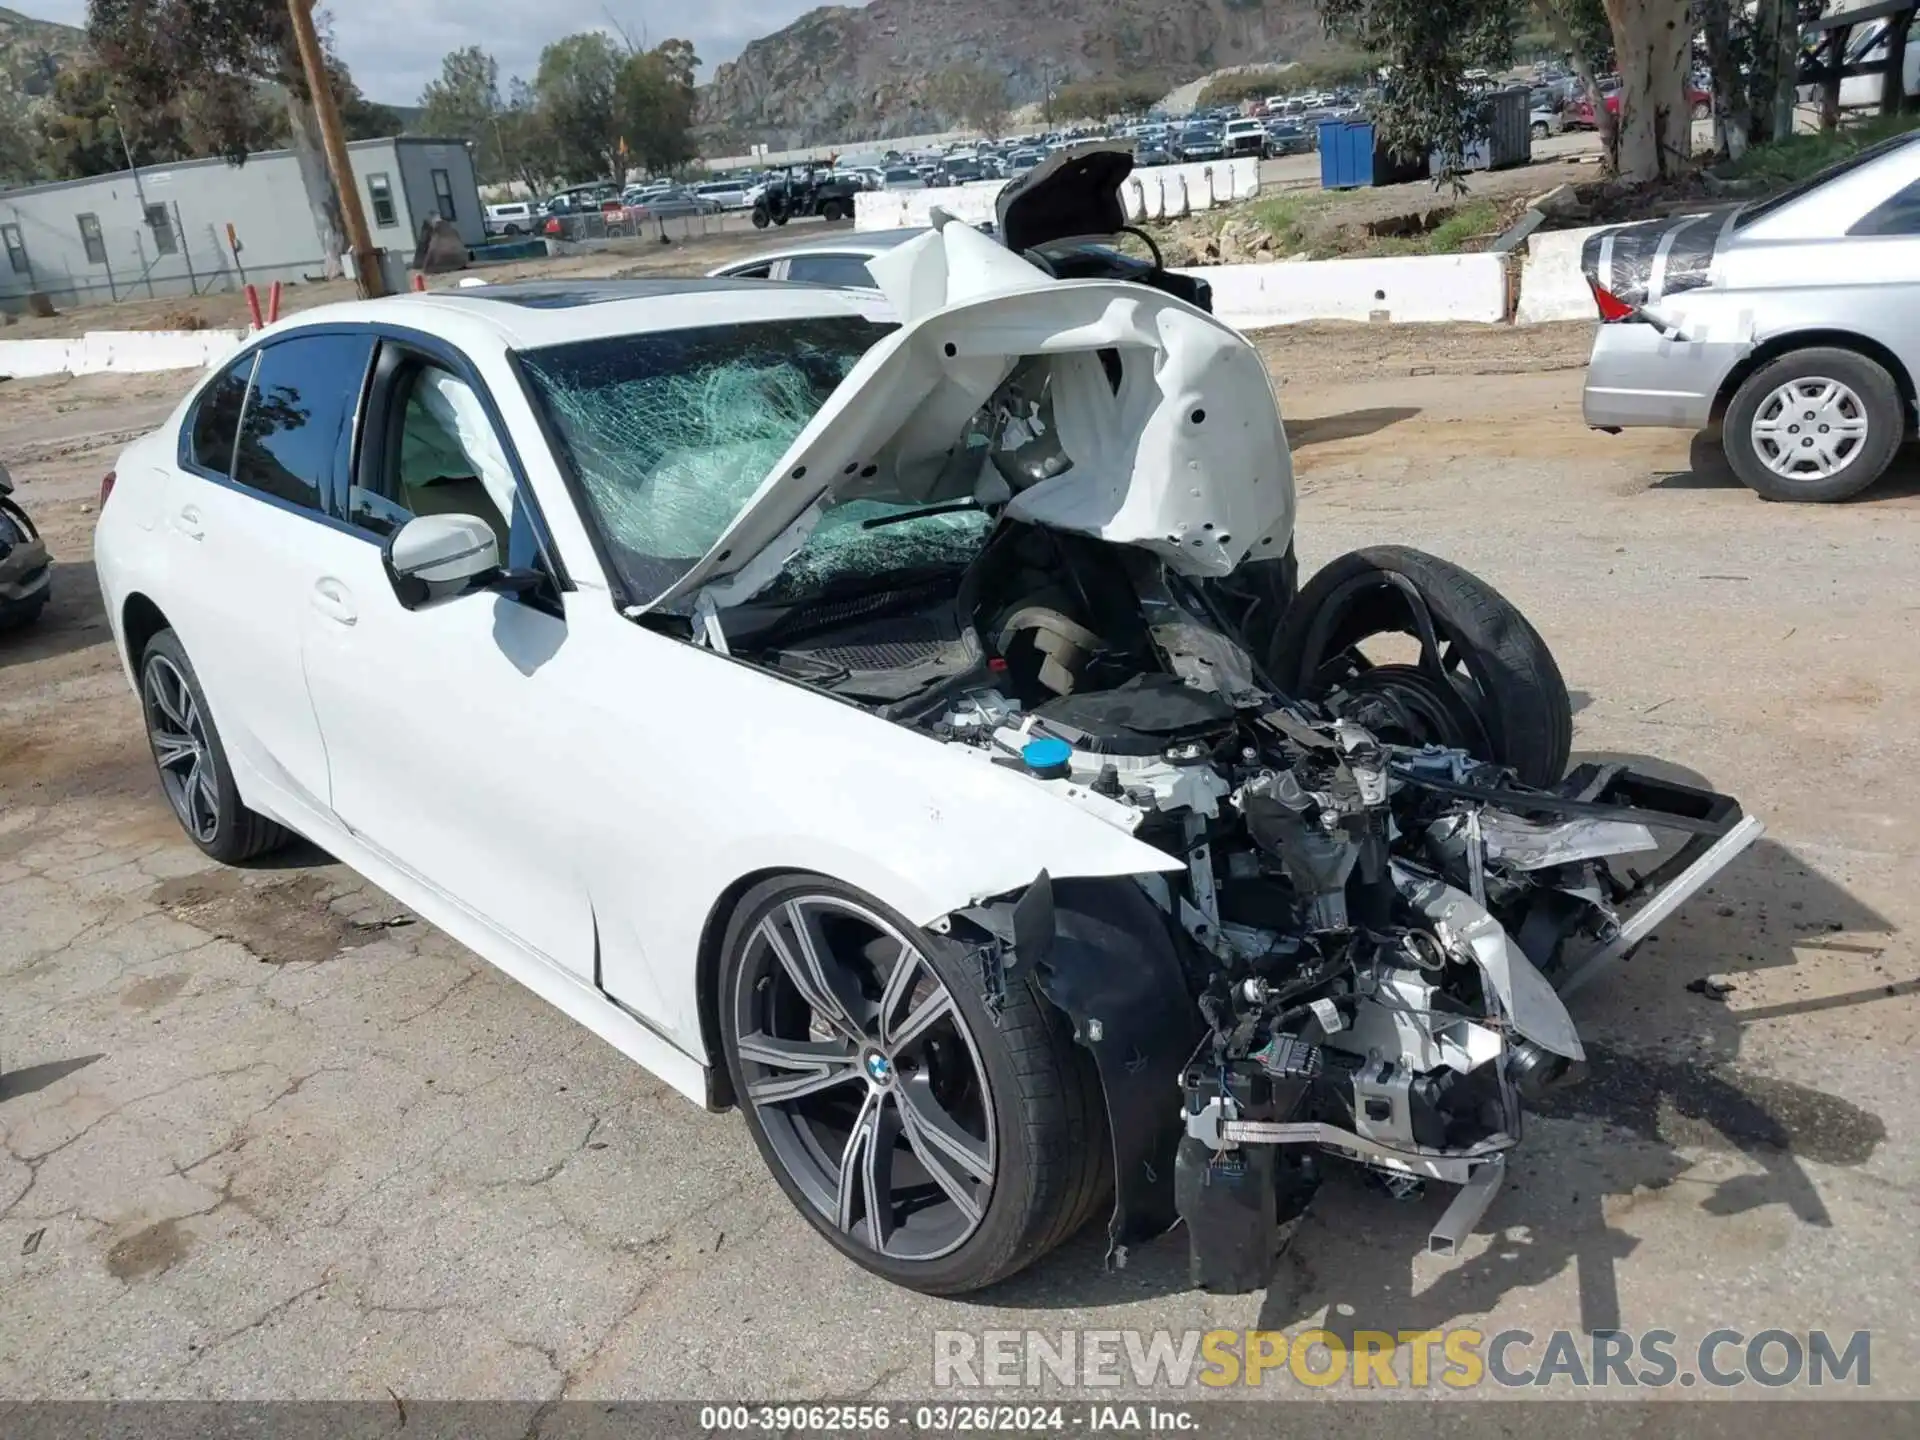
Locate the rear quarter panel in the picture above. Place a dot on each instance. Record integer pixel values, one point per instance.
(130, 553)
(1867, 287)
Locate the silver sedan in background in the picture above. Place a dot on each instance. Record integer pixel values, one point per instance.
(1790, 327)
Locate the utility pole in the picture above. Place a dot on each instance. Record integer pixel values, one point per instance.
(366, 263)
(127, 150)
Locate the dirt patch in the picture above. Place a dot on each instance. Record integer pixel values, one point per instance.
(287, 923)
(182, 319)
(1323, 352)
(152, 992)
(43, 762)
(1414, 219)
(149, 1252)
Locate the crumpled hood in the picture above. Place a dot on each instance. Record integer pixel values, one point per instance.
(1174, 438)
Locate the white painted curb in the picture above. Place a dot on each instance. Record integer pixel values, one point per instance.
(1552, 284)
(1156, 193)
(1413, 289)
(121, 351)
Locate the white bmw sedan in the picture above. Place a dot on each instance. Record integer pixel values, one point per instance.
(840, 705)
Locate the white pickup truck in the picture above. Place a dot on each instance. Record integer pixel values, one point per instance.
(1245, 137)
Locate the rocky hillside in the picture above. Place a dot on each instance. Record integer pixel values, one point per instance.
(33, 51)
(848, 72)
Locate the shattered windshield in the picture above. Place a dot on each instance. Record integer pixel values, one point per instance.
(671, 433)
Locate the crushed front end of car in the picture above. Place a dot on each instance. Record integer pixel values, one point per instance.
(1376, 938)
(1054, 534)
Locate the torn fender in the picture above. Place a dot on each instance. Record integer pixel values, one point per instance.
(1103, 953)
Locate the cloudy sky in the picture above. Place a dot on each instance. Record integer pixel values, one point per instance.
(394, 46)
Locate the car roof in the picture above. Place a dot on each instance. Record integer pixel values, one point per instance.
(529, 315)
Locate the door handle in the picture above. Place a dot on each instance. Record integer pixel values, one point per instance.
(330, 598)
(187, 522)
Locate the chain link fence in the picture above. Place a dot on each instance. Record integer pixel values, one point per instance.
(77, 259)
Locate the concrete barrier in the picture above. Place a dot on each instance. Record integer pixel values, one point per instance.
(1162, 191)
(1418, 289)
(122, 351)
(1552, 284)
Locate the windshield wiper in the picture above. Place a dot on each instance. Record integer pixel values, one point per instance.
(951, 507)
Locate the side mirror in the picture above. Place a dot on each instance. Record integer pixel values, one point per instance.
(434, 557)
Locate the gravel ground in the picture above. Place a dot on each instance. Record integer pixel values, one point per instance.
(266, 1136)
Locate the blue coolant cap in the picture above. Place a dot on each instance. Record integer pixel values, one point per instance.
(1048, 757)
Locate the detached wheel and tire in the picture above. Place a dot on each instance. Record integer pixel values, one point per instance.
(1484, 681)
(17, 530)
(194, 773)
(1819, 425)
(761, 218)
(931, 1140)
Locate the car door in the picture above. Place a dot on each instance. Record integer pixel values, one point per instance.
(258, 454)
(445, 735)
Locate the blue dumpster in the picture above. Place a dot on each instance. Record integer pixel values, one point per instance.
(1352, 156)
(1346, 154)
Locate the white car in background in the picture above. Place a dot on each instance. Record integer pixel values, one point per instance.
(840, 260)
(834, 704)
(513, 217)
(725, 194)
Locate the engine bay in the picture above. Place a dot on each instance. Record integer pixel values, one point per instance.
(1372, 925)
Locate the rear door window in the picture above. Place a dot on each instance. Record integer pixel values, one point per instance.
(216, 419)
(297, 432)
(842, 270)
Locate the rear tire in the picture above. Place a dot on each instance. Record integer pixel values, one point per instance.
(195, 775)
(1025, 1097)
(1870, 392)
(1502, 670)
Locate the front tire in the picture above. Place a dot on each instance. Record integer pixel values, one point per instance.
(1487, 684)
(1818, 425)
(195, 775)
(933, 1139)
